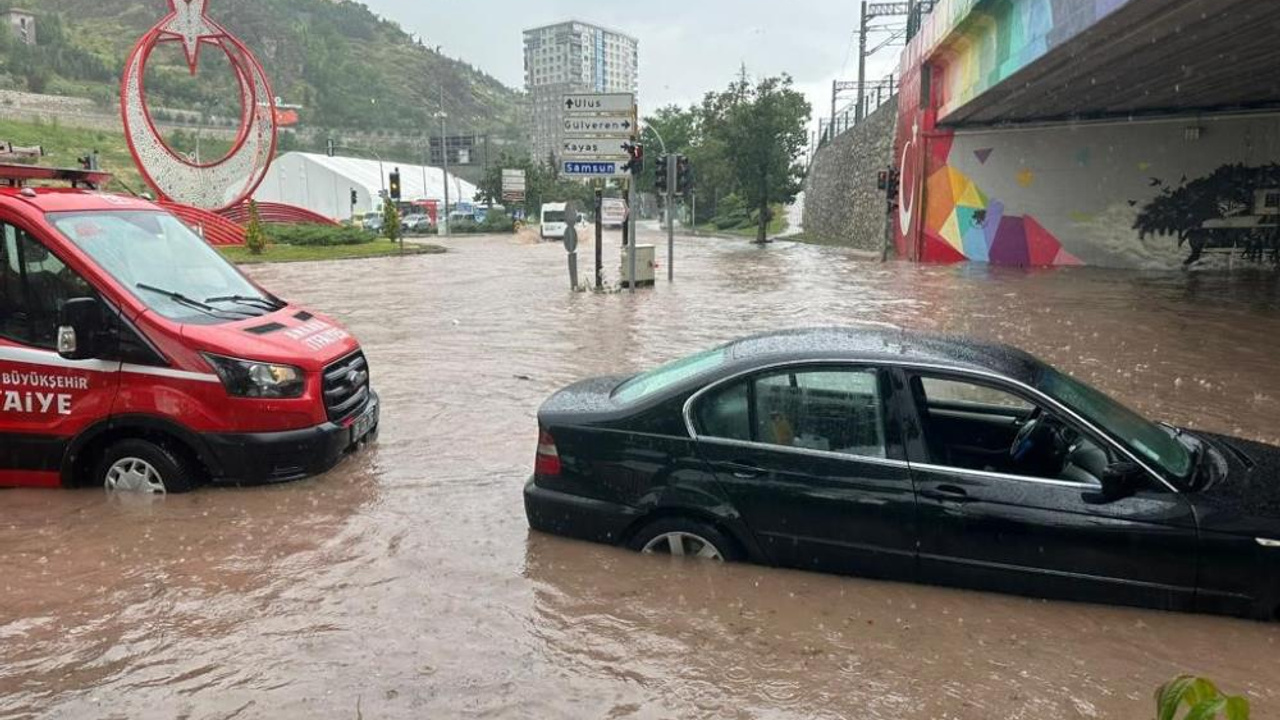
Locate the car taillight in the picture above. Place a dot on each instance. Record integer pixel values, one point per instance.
(548, 460)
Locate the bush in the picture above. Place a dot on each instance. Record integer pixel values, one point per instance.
(464, 227)
(733, 214)
(255, 238)
(318, 235)
(498, 222)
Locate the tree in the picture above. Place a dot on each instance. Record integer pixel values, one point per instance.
(390, 221)
(761, 129)
(255, 238)
(1183, 210)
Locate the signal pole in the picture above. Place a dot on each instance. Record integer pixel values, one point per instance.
(672, 162)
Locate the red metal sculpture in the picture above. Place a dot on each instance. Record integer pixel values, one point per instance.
(230, 180)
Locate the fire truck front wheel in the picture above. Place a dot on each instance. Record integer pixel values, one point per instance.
(136, 465)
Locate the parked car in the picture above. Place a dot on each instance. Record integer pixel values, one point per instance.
(417, 223)
(134, 356)
(895, 455)
(373, 222)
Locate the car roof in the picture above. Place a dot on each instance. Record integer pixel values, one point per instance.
(889, 345)
(48, 200)
(554, 206)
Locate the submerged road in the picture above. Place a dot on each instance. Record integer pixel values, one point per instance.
(406, 584)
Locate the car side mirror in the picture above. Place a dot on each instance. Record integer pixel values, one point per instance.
(80, 324)
(1119, 481)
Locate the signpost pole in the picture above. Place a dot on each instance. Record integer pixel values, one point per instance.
(599, 238)
(631, 223)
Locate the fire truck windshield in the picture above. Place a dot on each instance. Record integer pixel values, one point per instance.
(165, 265)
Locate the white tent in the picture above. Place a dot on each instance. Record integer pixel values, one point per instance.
(324, 184)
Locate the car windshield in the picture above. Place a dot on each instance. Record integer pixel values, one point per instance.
(555, 216)
(167, 266)
(1152, 442)
(647, 383)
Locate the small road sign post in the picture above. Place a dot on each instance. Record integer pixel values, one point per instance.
(600, 133)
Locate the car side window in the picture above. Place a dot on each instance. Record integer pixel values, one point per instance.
(726, 413)
(976, 426)
(833, 410)
(34, 285)
(943, 391)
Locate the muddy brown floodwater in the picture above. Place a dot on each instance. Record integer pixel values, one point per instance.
(406, 584)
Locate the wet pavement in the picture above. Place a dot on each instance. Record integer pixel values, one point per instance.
(405, 584)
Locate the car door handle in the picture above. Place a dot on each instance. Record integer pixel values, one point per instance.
(946, 493)
(745, 472)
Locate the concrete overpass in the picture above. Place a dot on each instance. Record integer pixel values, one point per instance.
(1108, 132)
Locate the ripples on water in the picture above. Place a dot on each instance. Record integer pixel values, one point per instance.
(406, 583)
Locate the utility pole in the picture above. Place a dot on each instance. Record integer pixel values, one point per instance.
(835, 90)
(862, 65)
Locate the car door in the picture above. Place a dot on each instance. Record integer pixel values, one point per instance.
(811, 457)
(44, 400)
(1003, 528)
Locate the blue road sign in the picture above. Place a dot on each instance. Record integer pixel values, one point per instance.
(593, 169)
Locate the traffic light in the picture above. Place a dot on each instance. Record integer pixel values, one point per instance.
(660, 174)
(395, 184)
(684, 175)
(636, 152)
(355, 198)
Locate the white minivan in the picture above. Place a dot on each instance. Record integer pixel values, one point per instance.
(554, 222)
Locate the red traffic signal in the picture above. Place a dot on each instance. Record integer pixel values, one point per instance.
(635, 151)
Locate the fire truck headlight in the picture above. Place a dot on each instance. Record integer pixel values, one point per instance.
(253, 379)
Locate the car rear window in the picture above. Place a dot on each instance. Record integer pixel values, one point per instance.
(553, 216)
(648, 383)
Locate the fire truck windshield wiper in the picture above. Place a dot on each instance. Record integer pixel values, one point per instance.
(271, 305)
(189, 302)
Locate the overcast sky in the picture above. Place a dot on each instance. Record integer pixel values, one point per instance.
(687, 47)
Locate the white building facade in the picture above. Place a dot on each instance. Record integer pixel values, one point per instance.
(572, 57)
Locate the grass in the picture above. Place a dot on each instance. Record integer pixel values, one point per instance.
(62, 145)
(303, 253)
(776, 226)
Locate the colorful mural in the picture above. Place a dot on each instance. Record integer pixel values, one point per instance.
(973, 44)
(962, 223)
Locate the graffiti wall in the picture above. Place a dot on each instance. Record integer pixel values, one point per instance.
(1142, 194)
(1148, 193)
(990, 41)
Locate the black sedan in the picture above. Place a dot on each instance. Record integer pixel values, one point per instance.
(890, 454)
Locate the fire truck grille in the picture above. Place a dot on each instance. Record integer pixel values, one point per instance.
(346, 386)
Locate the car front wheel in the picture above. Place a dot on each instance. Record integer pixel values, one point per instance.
(685, 538)
(142, 466)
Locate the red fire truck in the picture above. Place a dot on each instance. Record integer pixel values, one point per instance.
(133, 356)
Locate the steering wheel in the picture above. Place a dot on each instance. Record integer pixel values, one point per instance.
(1028, 436)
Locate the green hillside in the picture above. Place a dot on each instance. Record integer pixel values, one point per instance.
(348, 68)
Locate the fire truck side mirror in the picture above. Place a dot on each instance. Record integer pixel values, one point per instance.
(80, 324)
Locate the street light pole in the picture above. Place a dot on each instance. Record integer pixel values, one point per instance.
(444, 155)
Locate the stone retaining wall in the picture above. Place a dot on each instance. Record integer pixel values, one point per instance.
(843, 204)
